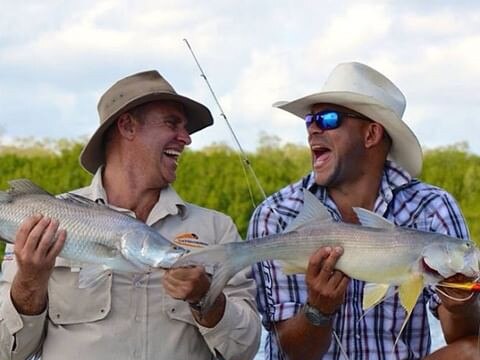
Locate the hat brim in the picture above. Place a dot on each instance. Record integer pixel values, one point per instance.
(198, 115)
(405, 151)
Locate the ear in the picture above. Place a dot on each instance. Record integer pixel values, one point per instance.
(127, 126)
(373, 134)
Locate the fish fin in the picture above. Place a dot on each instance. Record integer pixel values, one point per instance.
(91, 275)
(293, 267)
(81, 200)
(25, 186)
(370, 219)
(373, 294)
(409, 292)
(313, 209)
(5, 197)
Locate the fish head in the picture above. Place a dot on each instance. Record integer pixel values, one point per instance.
(148, 247)
(448, 257)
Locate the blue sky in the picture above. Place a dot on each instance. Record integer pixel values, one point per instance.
(57, 57)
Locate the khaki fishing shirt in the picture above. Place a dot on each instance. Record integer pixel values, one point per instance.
(129, 316)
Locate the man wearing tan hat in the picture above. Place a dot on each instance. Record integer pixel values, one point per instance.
(144, 127)
(363, 155)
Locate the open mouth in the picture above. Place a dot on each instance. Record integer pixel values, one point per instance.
(320, 155)
(172, 154)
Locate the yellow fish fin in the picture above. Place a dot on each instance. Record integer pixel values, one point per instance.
(294, 267)
(409, 292)
(373, 294)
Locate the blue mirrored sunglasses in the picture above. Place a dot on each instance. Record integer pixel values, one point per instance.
(329, 119)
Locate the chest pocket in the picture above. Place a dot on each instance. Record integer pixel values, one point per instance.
(68, 304)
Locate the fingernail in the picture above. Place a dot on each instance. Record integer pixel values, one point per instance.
(338, 250)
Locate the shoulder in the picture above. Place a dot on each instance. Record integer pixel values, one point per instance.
(429, 208)
(427, 195)
(287, 198)
(206, 214)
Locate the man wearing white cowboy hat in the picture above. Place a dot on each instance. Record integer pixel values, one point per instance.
(363, 155)
(144, 127)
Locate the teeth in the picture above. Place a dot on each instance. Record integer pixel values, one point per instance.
(172, 152)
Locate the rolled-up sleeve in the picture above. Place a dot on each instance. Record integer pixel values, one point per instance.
(20, 335)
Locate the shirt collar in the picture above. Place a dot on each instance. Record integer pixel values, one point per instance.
(393, 178)
(169, 202)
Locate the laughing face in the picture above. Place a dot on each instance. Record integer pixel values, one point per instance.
(338, 155)
(160, 139)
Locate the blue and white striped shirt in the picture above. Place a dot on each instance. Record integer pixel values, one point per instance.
(371, 335)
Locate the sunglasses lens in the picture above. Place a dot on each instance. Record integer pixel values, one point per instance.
(325, 120)
(309, 119)
(329, 120)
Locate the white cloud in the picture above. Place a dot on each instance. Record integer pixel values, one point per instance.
(65, 54)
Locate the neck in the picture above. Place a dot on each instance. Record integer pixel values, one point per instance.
(128, 190)
(360, 193)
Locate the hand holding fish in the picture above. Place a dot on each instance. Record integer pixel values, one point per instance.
(191, 284)
(326, 286)
(456, 300)
(38, 242)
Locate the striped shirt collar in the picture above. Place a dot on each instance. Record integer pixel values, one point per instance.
(394, 178)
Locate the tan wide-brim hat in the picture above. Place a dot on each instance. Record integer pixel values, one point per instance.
(360, 88)
(128, 93)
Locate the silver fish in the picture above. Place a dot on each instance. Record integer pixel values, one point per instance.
(380, 253)
(96, 234)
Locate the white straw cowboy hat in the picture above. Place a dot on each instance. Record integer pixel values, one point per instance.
(362, 89)
(128, 93)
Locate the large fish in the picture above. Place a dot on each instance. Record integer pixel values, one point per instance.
(378, 252)
(96, 234)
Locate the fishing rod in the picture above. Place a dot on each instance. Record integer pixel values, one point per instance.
(243, 156)
(247, 165)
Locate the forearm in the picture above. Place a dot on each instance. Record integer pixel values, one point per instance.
(301, 340)
(456, 325)
(237, 335)
(20, 335)
(29, 297)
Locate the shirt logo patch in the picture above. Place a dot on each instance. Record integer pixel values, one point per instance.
(189, 240)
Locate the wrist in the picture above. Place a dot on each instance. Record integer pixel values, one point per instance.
(316, 317)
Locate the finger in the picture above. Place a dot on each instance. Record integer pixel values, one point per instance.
(187, 274)
(25, 227)
(328, 265)
(316, 260)
(343, 284)
(56, 248)
(178, 289)
(36, 234)
(48, 237)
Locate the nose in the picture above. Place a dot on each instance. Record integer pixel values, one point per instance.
(314, 129)
(184, 136)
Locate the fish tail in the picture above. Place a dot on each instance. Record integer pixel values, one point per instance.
(226, 259)
(219, 280)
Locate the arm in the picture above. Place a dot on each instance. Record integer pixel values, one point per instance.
(326, 288)
(458, 318)
(23, 303)
(231, 327)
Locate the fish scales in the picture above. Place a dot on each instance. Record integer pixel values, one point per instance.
(95, 233)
